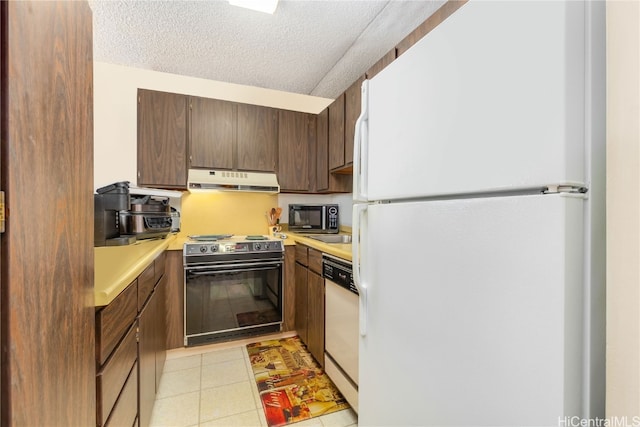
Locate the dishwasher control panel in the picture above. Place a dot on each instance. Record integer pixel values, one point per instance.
(339, 272)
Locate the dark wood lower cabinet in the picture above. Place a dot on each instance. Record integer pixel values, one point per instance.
(113, 375)
(315, 316)
(129, 376)
(152, 349)
(160, 328)
(289, 294)
(174, 299)
(310, 300)
(301, 301)
(125, 412)
(146, 361)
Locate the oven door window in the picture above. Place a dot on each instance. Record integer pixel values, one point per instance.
(231, 298)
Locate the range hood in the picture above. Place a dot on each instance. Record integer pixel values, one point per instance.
(204, 180)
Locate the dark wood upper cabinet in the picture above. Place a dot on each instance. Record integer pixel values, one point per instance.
(336, 133)
(296, 147)
(257, 138)
(322, 151)
(162, 139)
(212, 133)
(47, 258)
(327, 182)
(429, 24)
(352, 107)
(381, 64)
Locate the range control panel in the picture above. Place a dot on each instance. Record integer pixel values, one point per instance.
(203, 248)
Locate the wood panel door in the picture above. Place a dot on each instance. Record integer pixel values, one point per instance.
(326, 181)
(301, 302)
(352, 107)
(48, 339)
(322, 151)
(315, 316)
(162, 139)
(382, 63)
(160, 332)
(174, 299)
(336, 133)
(429, 24)
(289, 294)
(296, 143)
(146, 361)
(212, 133)
(257, 138)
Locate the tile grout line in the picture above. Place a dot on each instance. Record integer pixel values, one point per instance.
(200, 390)
(252, 379)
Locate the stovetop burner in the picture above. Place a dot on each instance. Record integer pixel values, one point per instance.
(213, 247)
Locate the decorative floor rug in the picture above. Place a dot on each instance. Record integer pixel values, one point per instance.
(292, 386)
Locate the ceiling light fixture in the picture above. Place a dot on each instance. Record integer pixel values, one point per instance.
(266, 6)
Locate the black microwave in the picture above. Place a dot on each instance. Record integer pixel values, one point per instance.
(314, 218)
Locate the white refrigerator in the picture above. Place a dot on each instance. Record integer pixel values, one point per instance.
(478, 222)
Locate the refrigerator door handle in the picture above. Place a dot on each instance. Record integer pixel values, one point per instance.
(360, 147)
(357, 231)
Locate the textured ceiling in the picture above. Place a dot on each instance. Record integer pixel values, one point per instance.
(310, 47)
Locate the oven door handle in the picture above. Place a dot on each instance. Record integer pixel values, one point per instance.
(235, 268)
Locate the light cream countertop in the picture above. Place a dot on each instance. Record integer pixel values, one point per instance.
(117, 266)
(340, 250)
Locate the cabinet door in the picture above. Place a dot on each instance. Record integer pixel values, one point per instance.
(301, 302)
(289, 295)
(352, 107)
(336, 133)
(322, 151)
(315, 310)
(174, 299)
(257, 138)
(429, 24)
(382, 63)
(160, 331)
(146, 362)
(48, 358)
(212, 133)
(162, 139)
(296, 143)
(326, 181)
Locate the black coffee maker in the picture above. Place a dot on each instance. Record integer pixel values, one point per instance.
(108, 202)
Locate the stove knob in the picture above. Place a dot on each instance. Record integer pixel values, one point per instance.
(266, 246)
(203, 249)
(214, 248)
(257, 246)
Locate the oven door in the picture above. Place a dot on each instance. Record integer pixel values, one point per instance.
(232, 300)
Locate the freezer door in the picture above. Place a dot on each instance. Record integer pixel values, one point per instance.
(492, 99)
(474, 312)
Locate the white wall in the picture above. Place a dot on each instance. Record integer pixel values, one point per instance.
(623, 210)
(115, 111)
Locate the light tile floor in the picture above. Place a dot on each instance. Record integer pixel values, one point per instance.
(214, 386)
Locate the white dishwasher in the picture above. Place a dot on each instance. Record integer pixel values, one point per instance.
(341, 327)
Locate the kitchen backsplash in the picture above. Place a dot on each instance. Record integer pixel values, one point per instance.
(221, 213)
(244, 213)
(345, 201)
